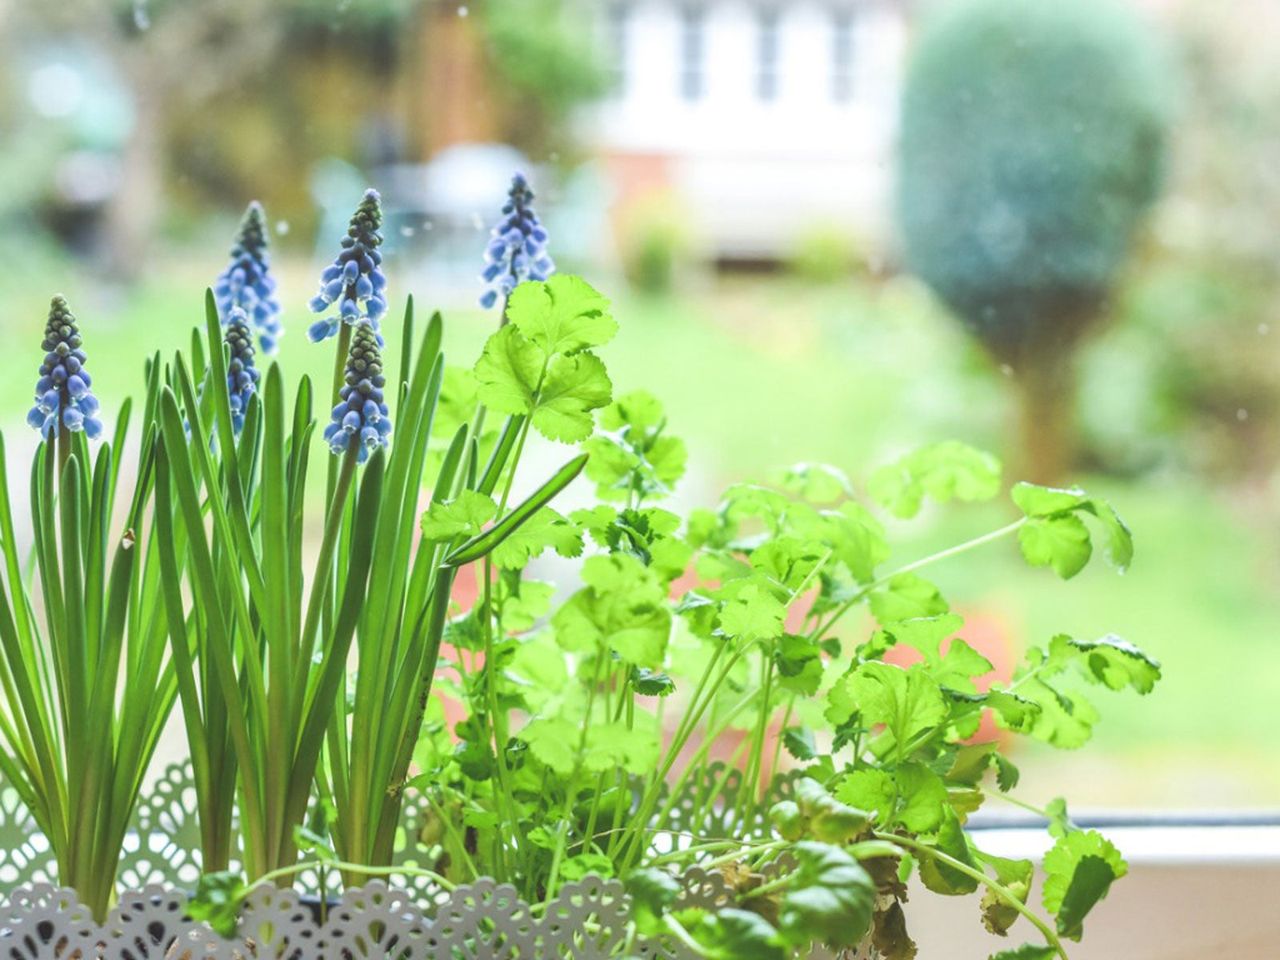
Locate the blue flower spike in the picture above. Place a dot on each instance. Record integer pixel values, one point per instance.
(517, 248)
(63, 395)
(247, 282)
(361, 417)
(242, 375)
(354, 285)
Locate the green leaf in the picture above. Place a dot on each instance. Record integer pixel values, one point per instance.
(1079, 870)
(907, 702)
(800, 743)
(575, 868)
(1007, 774)
(1037, 501)
(610, 466)
(573, 388)
(1062, 720)
(528, 529)
(1061, 542)
(906, 597)
(623, 609)
(309, 842)
(941, 877)
(1028, 951)
(465, 516)
(857, 539)
(649, 684)
(926, 633)
(788, 560)
(830, 898)
(913, 796)
(554, 741)
(546, 529)
(799, 664)
(954, 670)
(1013, 710)
(507, 372)
(562, 315)
(970, 763)
(1051, 505)
(732, 934)
(870, 789)
(217, 901)
(613, 746)
(639, 410)
(922, 798)
(522, 609)
(825, 818)
(652, 893)
(1110, 661)
(539, 663)
(944, 471)
(817, 482)
(1119, 538)
(753, 613)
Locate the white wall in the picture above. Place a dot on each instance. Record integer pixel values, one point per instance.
(756, 173)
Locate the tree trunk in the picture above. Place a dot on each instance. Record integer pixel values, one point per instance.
(1046, 385)
(129, 224)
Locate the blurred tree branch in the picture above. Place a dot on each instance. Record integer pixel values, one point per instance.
(174, 55)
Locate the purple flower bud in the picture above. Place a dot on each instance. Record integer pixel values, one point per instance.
(242, 374)
(353, 281)
(517, 249)
(360, 421)
(247, 283)
(62, 396)
(322, 330)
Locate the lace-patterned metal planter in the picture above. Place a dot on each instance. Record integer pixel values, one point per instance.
(410, 919)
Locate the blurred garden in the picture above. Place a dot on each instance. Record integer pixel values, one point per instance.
(136, 132)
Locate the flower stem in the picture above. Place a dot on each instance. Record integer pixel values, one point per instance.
(1001, 891)
(910, 568)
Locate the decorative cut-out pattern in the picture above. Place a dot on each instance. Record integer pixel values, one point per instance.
(409, 918)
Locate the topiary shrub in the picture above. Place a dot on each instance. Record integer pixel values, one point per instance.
(1033, 139)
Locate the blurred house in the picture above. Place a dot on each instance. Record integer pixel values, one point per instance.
(766, 119)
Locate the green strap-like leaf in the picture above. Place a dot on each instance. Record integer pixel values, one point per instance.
(482, 544)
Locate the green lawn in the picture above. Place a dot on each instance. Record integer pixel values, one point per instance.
(760, 373)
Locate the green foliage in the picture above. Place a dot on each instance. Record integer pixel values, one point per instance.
(86, 682)
(825, 253)
(542, 73)
(655, 238)
(1033, 139)
(1079, 871)
(589, 716)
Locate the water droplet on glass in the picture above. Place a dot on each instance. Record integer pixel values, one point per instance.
(1264, 329)
(1242, 414)
(407, 231)
(1006, 369)
(141, 18)
(463, 11)
(282, 227)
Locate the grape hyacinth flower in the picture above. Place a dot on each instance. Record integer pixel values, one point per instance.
(354, 281)
(361, 417)
(518, 248)
(247, 282)
(63, 398)
(242, 375)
